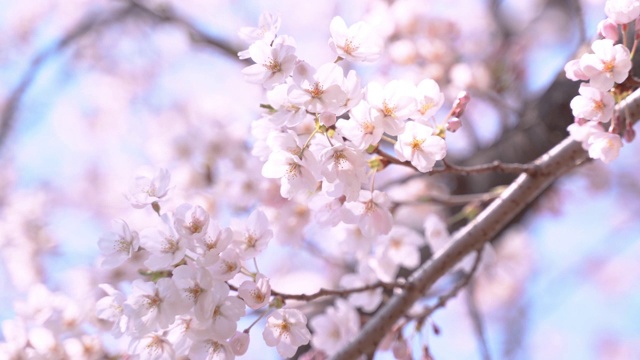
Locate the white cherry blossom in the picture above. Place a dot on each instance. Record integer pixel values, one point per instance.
(286, 330)
(273, 63)
(593, 104)
(268, 26)
(604, 146)
(362, 128)
(318, 90)
(119, 245)
(622, 11)
(256, 294)
(392, 103)
(335, 328)
(211, 349)
(145, 190)
(165, 246)
(372, 212)
(111, 308)
(152, 305)
(219, 313)
(191, 221)
(429, 100)
(255, 236)
(607, 65)
(402, 245)
(343, 168)
(420, 146)
(153, 346)
(359, 42)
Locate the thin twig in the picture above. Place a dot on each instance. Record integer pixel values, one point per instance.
(329, 292)
(476, 320)
(85, 26)
(443, 299)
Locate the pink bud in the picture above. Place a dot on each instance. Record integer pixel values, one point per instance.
(629, 134)
(580, 121)
(239, 343)
(327, 118)
(454, 124)
(608, 29)
(460, 104)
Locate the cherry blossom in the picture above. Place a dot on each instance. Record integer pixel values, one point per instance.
(607, 65)
(153, 346)
(211, 349)
(268, 26)
(273, 62)
(118, 246)
(337, 326)
(152, 305)
(356, 43)
(372, 212)
(286, 330)
(239, 343)
(343, 168)
(256, 294)
(287, 113)
(362, 128)
(574, 72)
(191, 221)
(420, 146)
(402, 245)
(255, 236)
(604, 146)
(593, 104)
(369, 300)
(622, 11)
(318, 90)
(429, 100)
(111, 308)
(165, 246)
(219, 312)
(145, 190)
(393, 104)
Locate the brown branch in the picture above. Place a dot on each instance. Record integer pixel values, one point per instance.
(496, 166)
(443, 299)
(553, 164)
(329, 292)
(165, 13)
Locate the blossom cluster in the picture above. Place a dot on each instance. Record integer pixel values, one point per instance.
(604, 70)
(322, 140)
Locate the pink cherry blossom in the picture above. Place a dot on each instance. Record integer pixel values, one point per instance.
(369, 300)
(286, 330)
(420, 146)
(165, 246)
(153, 305)
(582, 132)
(343, 168)
(593, 104)
(356, 43)
(211, 349)
(607, 65)
(402, 245)
(574, 72)
(268, 26)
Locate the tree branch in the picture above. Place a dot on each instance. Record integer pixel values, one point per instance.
(555, 163)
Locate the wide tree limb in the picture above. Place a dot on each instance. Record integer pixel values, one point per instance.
(552, 165)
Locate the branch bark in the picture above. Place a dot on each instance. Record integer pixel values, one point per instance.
(552, 165)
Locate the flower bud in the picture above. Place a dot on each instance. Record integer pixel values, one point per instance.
(460, 104)
(454, 124)
(608, 29)
(239, 343)
(327, 118)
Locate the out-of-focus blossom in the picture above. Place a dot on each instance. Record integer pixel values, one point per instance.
(622, 11)
(145, 190)
(335, 328)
